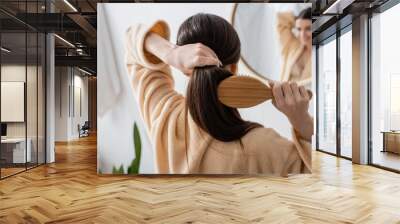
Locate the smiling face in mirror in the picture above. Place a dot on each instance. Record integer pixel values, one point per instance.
(257, 27)
(303, 30)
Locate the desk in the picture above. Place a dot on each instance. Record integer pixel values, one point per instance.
(13, 150)
(391, 141)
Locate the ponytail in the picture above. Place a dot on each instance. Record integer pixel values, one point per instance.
(221, 122)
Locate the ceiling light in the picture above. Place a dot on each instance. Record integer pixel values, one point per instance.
(337, 7)
(79, 51)
(65, 41)
(70, 5)
(5, 50)
(84, 71)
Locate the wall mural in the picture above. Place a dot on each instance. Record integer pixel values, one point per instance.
(162, 72)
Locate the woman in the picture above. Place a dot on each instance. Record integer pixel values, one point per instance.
(296, 51)
(198, 134)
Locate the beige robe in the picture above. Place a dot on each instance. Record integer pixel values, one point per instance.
(291, 50)
(180, 146)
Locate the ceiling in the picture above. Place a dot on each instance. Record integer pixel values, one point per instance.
(331, 16)
(76, 22)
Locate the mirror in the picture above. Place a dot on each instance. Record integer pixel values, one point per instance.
(255, 24)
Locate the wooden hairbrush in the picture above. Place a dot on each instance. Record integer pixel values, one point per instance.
(244, 91)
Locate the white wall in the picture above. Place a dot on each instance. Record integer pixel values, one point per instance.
(67, 81)
(12, 73)
(81, 82)
(61, 103)
(13, 101)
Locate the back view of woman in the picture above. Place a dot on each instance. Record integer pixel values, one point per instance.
(197, 133)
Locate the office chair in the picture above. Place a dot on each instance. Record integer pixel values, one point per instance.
(84, 130)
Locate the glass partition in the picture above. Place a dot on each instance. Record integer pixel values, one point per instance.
(22, 77)
(13, 103)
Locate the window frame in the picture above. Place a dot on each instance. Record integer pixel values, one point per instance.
(381, 9)
(333, 37)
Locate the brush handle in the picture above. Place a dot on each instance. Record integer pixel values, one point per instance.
(244, 92)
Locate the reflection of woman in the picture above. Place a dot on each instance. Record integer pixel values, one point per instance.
(198, 134)
(296, 51)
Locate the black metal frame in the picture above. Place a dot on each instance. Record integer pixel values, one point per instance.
(316, 97)
(338, 98)
(45, 90)
(44, 79)
(369, 89)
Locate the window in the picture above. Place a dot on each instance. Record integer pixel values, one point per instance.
(346, 94)
(385, 89)
(327, 97)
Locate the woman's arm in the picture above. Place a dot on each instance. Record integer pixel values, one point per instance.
(293, 101)
(286, 21)
(305, 82)
(148, 52)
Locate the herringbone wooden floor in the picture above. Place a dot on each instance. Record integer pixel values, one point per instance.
(70, 191)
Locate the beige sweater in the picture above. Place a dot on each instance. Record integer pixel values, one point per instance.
(180, 146)
(291, 51)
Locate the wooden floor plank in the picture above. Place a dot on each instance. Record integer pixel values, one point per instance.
(70, 191)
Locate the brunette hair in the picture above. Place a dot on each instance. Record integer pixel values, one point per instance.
(305, 14)
(221, 122)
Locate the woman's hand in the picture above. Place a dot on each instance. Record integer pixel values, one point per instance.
(293, 101)
(184, 58)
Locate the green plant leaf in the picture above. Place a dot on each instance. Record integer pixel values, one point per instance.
(135, 164)
(119, 170)
(114, 170)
